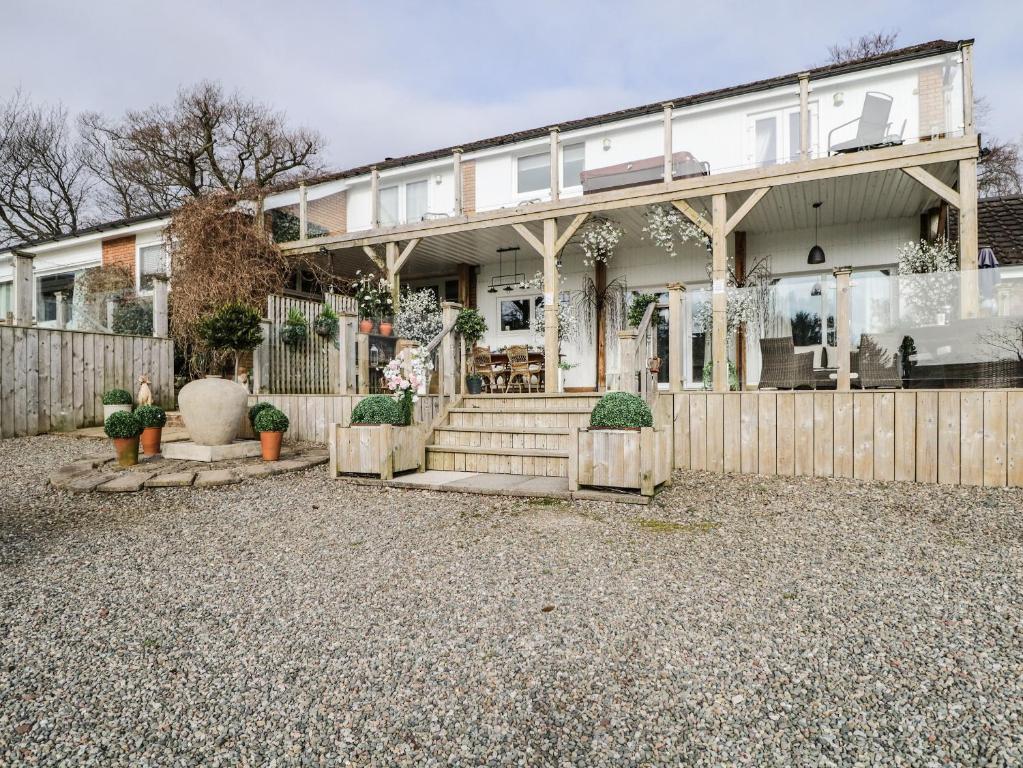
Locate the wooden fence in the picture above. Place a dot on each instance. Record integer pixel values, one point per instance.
(54, 380)
(310, 415)
(314, 365)
(967, 437)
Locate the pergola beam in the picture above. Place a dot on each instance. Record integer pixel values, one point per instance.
(534, 242)
(405, 253)
(936, 185)
(736, 218)
(570, 230)
(370, 251)
(690, 213)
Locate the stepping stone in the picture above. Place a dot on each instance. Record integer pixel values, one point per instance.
(214, 477)
(171, 480)
(61, 477)
(89, 482)
(287, 465)
(126, 482)
(256, 470)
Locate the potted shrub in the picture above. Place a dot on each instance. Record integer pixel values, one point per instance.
(471, 327)
(235, 327)
(377, 442)
(255, 410)
(294, 329)
(271, 424)
(474, 384)
(326, 323)
(152, 420)
(123, 428)
(115, 400)
(621, 448)
(373, 295)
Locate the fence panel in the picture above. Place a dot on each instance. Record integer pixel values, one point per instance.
(313, 365)
(54, 380)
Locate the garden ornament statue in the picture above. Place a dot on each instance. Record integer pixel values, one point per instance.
(145, 395)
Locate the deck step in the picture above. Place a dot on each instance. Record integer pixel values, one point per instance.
(509, 461)
(532, 420)
(529, 438)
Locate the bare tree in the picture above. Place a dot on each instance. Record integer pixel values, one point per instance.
(206, 141)
(1000, 170)
(44, 181)
(865, 46)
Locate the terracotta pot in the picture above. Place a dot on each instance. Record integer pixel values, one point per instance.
(385, 329)
(270, 442)
(127, 450)
(365, 326)
(151, 440)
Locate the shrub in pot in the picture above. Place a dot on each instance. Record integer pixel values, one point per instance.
(271, 424)
(326, 323)
(123, 428)
(255, 410)
(377, 409)
(621, 410)
(474, 383)
(295, 329)
(152, 419)
(115, 400)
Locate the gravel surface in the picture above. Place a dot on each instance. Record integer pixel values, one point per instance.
(297, 620)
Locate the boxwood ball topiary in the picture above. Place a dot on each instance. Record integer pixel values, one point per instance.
(117, 397)
(122, 425)
(150, 416)
(255, 410)
(377, 409)
(271, 420)
(621, 410)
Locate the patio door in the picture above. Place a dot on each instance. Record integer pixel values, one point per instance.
(772, 137)
(661, 319)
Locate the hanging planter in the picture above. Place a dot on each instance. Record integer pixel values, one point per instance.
(326, 323)
(599, 238)
(295, 329)
(668, 229)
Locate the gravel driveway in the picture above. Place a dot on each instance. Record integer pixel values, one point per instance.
(302, 621)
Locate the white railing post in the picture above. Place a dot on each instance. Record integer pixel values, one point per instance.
(843, 330)
(804, 115)
(555, 166)
(676, 339)
(303, 212)
(160, 318)
(24, 283)
(969, 127)
(456, 165)
(58, 297)
(374, 192)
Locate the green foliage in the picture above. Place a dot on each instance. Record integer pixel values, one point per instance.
(235, 327)
(133, 318)
(255, 410)
(117, 397)
(377, 409)
(471, 326)
(271, 420)
(708, 375)
(295, 329)
(638, 308)
(150, 416)
(122, 425)
(284, 226)
(620, 410)
(326, 323)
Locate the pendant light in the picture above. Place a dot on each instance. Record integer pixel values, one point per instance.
(816, 255)
(500, 270)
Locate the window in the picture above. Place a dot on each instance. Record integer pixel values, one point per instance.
(6, 289)
(415, 201)
(534, 172)
(766, 141)
(152, 262)
(451, 290)
(794, 134)
(572, 164)
(49, 287)
(388, 206)
(515, 314)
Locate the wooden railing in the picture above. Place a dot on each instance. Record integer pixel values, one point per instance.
(645, 351)
(445, 349)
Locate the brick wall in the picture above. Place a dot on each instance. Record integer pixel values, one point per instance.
(120, 252)
(931, 95)
(330, 213)
(469, 186)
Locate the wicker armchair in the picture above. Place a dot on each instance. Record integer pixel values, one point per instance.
(878, 367)
(484, 367)
(518, 368)
(781, 367)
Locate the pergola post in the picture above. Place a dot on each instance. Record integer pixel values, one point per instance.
(676, 296)
(303, 212)
(969, 127)
(668, 146)
(58, 297)
(447, 374)
(968, 250)
(551, 297)
(391, 261)
(374, 193)
(843, 328)
(23, 287)
(160, 317)
(555, 166)
(626, 374)
(456, 165)
(261, 361)
(719, 298)
(804, 115)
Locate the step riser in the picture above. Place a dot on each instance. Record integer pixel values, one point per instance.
(542, 466)
(515, 403)
(483, 439)
(487, 420)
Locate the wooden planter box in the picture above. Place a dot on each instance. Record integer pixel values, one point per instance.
(380, 450)
(620, 458)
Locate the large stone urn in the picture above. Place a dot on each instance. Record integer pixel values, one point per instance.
(212, 410)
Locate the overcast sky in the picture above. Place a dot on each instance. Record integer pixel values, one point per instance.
(386, 78)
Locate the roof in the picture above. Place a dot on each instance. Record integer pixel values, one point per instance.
(1000, 227)
(90, 230)
(932, 48)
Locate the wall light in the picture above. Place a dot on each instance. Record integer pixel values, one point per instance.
(838, 99)
(607, 144)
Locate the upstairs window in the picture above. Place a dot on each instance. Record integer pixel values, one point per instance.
(534, 172)
(572, 164)
(415, 201)
(388, 206)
